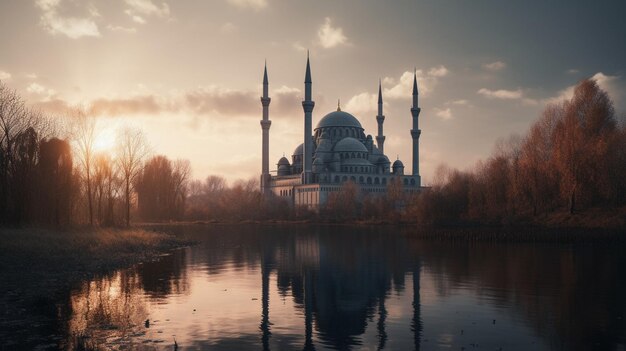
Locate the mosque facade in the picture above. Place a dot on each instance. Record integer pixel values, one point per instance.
(336, 151)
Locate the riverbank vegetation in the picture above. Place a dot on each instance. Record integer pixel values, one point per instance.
(36, 264)
(569, 169)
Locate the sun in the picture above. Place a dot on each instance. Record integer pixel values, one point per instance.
(104, 141)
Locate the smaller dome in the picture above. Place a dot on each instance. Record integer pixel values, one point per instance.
(349, 144)
(383, 159)
(398, 163)
(299, 150)
(283, 161)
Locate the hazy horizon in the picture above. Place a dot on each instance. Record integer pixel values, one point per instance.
(189, 72)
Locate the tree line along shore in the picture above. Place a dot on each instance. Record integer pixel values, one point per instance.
(568, 170)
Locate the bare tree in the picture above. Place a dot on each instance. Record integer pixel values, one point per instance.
(214, 185)
(132, 148)
(84, 137)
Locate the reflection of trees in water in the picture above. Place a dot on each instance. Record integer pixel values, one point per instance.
(339, 277)
(109, 303)
(113, 305)
(572, 296)
(164, 277)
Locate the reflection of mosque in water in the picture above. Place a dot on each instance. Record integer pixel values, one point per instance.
(339, 286)
(341, 279)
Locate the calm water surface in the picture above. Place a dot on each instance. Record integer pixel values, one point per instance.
(272, 287)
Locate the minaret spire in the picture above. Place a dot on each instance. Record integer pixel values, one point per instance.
(265, 126)
(307, 105)
(416, 132)
(380, 118)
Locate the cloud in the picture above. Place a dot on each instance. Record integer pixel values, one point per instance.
(459, 102)
(494, 66)
(605, 82)
(38, 89)
(138, 10)
(148, 8)
(445, 114)
(439, 71)
(572, 71)
(138, 19)
(298, 47)
(228, 28)
(253, 4)
(425, 82)
(329, 36)
(202, 101)
(401, 88)
(501, 94)
(122, 29)
(362, 103)
(31, 76)
(5, 75)
(72, 27)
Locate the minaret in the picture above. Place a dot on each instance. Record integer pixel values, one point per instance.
(415, 132)
(380, 118)
(265, 126)
(307, 105)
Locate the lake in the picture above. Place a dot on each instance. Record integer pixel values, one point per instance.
(341, 287)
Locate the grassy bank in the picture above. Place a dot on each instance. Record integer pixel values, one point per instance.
(36, 265)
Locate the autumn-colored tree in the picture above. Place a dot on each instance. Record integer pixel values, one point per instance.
(343, 204)
(581, 141)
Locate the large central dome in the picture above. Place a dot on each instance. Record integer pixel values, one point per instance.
(338, 119)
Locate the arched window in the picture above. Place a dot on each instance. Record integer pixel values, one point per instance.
(344, 179)
(376, 180)
(412, 181)
(353, 179)
(406, 181)
(336, 179)
(361, 180)
(369, 180)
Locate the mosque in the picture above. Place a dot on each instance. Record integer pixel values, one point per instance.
(335, 152)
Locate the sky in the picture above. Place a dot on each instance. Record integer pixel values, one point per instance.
(189, 73)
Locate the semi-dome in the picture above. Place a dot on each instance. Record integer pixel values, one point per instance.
(338, 119)
(398, 163)
(349, 145)
(299, 150)
(283, 161)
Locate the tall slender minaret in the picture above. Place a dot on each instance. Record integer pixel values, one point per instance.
(380, 118)
(307, 105)
(265, 126)
(415, 132)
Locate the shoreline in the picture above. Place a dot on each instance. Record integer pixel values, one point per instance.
(592, 219)
(37, 265)
(494, 233)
